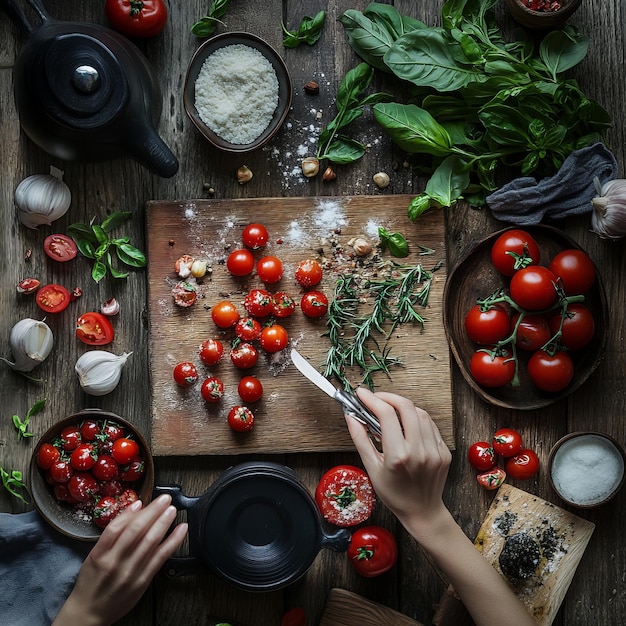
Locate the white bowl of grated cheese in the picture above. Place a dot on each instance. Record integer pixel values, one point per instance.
(586, 469)
(237, 91)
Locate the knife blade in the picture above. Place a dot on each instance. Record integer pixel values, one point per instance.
(307, 370)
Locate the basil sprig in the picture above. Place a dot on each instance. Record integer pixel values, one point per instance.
(205, 26)
(395, 242)
(309, 31)
(94, 242)
(22, 425)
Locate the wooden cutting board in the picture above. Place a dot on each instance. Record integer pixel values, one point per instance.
(293, 415)
(344, 608)
(562, 536)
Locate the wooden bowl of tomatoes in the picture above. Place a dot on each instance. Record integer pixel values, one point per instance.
(86, 469)
(526, 317)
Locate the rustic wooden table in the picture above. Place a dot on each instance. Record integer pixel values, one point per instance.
(597, 594)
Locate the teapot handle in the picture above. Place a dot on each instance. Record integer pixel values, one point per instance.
(13, 8)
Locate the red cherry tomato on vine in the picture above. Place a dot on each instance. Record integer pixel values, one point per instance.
(255, 236)
(241, 419)
(250, 389)
(244, 356)
(507, 442)
(533, 331)
(137, 19)
(224, 314)
(124, 450)
(533, 288)
(314, 304)
(185, 374)
(269, 269)
(492, 478)
(487, 326)
(94, 329)
(53, 298)
(212, 389)
(372, 551)
(513, 250)
(578, 326)
(575, 269)
(309, 273)
(551, 372)
(259, 302)
(492, 371)
(524, 465)
(240, 262)
(274, 338)
(482, 456)
(284, 304)
(60, 247)
(211, 351)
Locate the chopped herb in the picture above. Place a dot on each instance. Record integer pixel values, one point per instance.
(12, 482)
(22, 426)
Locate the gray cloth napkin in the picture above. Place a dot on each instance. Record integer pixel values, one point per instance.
(570, 191)
(38, 568)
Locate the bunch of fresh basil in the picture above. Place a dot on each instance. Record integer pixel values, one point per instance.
(478, 103)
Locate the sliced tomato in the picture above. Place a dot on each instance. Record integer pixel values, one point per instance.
(94, 329)
(53, 298)
(492, 478)
(60, 247)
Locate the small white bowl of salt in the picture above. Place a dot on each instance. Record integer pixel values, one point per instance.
(586, 468)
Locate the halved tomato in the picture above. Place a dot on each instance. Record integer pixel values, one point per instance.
(53, 298)
(94, 329)
(60, 247)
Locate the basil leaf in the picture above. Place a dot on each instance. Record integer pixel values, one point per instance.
(99, 233)
(448, 181)
(309, 31)
(561, 50)
(354, 82)
(395, 242)
(81, 231)
(343, 150)
(86, 248)
(204, 27)
(505, 124)
(117, 273)
(98, 271)
(101, 250)
(114, 220)
(130, 255)
(420, 204)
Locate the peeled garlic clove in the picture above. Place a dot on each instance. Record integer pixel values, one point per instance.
(31, 342)
(99, 371)
(42, 198)
(110, 307)
(608, 219)
(310, 167)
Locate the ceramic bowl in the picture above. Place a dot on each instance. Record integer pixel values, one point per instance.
(284, 89)
(475, 277)
(62, 516)
(541, 20)
(586, 469)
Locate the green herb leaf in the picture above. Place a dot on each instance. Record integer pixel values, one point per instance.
(395, 242)
(12, 482)
(22, 425)
(86, 248)
(343, 150)
(115, 220)
(130, 255)
(448, 181)
(205, 26)
(309, 31)
(562, 50)
(98, 271)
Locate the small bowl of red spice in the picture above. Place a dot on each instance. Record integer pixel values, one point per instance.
(586, 469)
(542, 14)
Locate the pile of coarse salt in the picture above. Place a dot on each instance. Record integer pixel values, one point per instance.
(587, 469)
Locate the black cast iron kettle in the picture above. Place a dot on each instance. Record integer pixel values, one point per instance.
(85, 92)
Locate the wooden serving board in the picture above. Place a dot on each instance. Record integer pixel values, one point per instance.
(562, 536)
(293, 415)
(344, 608)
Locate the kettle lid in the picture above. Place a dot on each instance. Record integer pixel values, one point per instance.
(79, 81)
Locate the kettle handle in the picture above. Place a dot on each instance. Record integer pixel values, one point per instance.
(179, 499)
(15, 11)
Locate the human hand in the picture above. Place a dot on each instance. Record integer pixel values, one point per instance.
(410, 472)
(119, 568)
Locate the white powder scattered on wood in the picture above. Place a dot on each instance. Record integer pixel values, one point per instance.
(237, 93)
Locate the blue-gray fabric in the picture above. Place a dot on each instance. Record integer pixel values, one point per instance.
(38, 568)
(526, 200)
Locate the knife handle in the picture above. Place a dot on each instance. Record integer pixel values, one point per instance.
(352, 404)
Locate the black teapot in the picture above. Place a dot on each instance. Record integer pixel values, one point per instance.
(85, 92)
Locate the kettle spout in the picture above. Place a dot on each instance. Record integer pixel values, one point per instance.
(146, 146)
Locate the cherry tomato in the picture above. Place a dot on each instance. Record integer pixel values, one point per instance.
(82, 486)
(111, 488)
(524, 465)
(105, 511)
(84, 457)
(507, 442)
(137, 19)
(211, 351)
(575, 271)
(269, 269)
(578, 326)
(106, 468)
(47, 455)
(274, 338)
(533, 332)
(113, 431)
(244, 356)
(284, 304)
(250, 389)
(185, 374)
(62, 494)
(372, 551)
(487, 326)
(514, 250)
(127, 497)
(53, 298)
(89, 430)
(551, 372)
(94, 329)
(71, 438)
(314, 304)
(224, 314)
(212, 389)
(241, 419)
(134, 470)
(492, 371)
(185, 294)
(259, 302)
(309, 273)
(240, 262)
(534, 288)
(248, 329)
(492, 478)
(345, 495)
(60, 247)
(61, 471)
(294, 617)
(482, 456)
(255, 236)
(124, 450)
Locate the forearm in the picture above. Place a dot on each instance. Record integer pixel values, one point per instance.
(73, 612)
(484, 592)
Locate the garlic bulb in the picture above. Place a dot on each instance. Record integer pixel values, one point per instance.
(31, 342)
(42, 198)
(608, 219)
(99, 371)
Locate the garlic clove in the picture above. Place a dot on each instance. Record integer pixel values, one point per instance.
(31, 342)
(608, 218)
(110, 307)
(99, 371)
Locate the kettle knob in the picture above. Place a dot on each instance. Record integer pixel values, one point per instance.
(86, 79)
